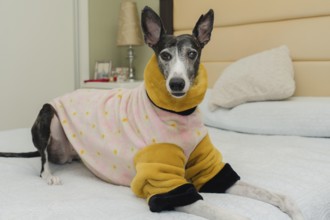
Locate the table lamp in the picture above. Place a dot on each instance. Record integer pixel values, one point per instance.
(129, 32)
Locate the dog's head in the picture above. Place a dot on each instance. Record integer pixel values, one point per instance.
(178, 56)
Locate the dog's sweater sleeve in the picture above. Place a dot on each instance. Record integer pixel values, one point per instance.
(167, 181)
(206, 170)
(160, 177)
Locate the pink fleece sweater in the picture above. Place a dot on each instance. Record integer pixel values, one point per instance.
(108, 127)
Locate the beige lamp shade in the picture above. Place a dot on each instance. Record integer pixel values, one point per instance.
(129, 31)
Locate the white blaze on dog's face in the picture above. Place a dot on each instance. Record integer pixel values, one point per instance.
(178, 57)
(179, 64)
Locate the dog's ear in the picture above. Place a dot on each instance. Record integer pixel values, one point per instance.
(204, 27)
(152, 26)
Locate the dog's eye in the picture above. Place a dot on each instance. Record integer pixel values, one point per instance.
(166, 56)
(192, 54)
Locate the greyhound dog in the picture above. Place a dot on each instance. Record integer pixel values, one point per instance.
(150, 138)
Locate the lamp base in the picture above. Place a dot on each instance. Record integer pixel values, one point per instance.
(131, 73)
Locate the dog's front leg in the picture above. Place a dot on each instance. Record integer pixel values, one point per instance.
(160, 170)
(160, 178)
(282, 202)
(208, 211)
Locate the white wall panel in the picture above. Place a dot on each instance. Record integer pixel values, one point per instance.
(36, 57)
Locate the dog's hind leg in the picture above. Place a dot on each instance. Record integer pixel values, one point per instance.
(41, 137)
(46, 173)
(282, 202)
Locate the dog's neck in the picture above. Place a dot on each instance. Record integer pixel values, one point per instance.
(156, 89)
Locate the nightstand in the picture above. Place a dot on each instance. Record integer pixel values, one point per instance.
(111, 85)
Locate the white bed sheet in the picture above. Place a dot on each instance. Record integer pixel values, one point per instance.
(296, 166)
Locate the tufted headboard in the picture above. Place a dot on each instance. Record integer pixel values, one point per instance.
(245, 27)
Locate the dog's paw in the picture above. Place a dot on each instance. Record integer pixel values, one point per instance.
(51, 180)
(54, 180)
(289, 207)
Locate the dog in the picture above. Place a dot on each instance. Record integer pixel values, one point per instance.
(150, 138)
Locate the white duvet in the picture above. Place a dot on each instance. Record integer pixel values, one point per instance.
(296, 166)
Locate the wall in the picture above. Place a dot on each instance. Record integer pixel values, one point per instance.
(103, 18)
(37, 52)
(36, 57)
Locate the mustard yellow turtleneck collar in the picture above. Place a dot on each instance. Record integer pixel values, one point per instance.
(156, 89)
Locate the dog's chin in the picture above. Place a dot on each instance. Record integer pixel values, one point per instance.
(178, 95)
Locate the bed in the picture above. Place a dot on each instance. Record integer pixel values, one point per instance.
(278, 143)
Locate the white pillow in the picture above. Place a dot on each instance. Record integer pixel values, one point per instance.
(300, 116)
(263, 76)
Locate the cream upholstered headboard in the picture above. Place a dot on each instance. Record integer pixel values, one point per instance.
(245, 27)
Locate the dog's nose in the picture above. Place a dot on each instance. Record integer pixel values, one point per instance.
(177, 84)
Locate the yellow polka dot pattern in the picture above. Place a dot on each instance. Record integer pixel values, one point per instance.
(107, 128)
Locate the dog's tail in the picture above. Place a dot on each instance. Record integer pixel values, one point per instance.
(21, 155)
